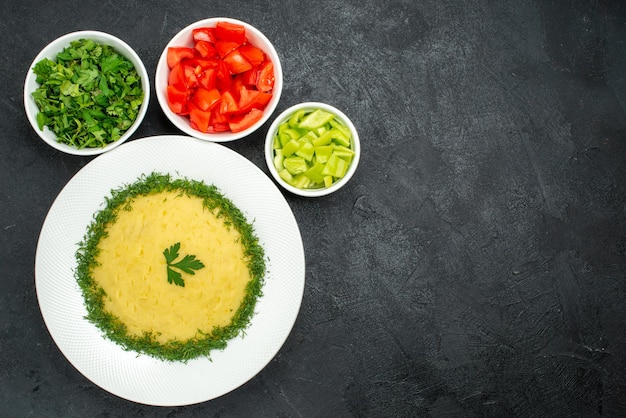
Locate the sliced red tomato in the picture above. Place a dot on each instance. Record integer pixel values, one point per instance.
(237, 86)
(265, 79)
(176, 77)
(252, 99)
(224, 47)
(199, 118)
(206, 49)
(190, 76)
(176, 98)
(204, 63)
(176, 54)
(206, 99)
(228, 103)
(219, 117)
(248, 78)
(223, 78)
(219, 127)
(254, 55)
(232, 32)
(222, 83)
(208, 79)
(204, 34)
(236, 62)
(243, 122)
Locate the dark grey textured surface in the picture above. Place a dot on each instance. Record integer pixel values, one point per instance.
(474, 266)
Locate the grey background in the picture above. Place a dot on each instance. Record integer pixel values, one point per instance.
(474, 266)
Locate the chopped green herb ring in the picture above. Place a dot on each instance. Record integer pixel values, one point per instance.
(89, 95)
(94, 296)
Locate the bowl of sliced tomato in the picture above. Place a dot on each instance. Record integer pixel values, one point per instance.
(219, 79)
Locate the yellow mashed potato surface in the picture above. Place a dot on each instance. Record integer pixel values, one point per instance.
(132, 269)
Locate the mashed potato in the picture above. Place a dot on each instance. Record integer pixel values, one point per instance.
(132, 269)
(127, 282)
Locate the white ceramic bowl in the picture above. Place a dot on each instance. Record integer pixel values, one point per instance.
(185, 38)
(355, 145)
(51, 52)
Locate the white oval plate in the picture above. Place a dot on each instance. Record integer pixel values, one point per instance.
(141, 378)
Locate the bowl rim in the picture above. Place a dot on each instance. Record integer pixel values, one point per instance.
(269, 151)
(179, 39)
(50, 51)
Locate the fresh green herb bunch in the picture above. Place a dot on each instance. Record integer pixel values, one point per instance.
(203, 343)
(89, 96)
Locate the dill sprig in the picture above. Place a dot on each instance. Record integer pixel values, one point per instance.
(203, 343)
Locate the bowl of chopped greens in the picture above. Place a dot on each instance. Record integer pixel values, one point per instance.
(312, 149)
(86, 93)
(219, 79)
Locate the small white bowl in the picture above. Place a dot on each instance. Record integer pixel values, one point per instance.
(184, 38)
(50, 52)
(355, 145)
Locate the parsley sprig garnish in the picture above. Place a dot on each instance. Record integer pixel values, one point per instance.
(89, 95)
(188, 264)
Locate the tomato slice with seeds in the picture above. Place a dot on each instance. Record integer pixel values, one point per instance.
(265, 78)
(190, 76)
